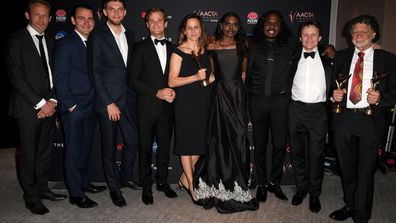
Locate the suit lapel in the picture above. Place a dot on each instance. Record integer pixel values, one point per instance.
(153, 51)
(80, 45)
(108, 35)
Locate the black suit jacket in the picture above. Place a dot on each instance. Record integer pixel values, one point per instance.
(27, 75)
(146, 77)
(71, 79)
(384, 62)
(327, 66)
(107, 69)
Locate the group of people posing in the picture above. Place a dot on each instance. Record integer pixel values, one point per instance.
(205, 92)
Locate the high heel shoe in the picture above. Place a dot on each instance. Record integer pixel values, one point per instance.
(194, 199)
(180, 186)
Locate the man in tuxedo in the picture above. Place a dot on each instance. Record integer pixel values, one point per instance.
(33, 104)
(148, 73)
(356, 134)
(310, 90)
(76, 97)
(109, 52)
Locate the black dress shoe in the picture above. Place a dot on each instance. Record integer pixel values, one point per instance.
(36, 207)
(91, 188)
(117, 198)
(314, 204)
(147, 196)
(49, 195)
(298, 198)
(342, 214)
(82, 202)
(167, 190)
(277, 190)
(132, 185)
(261, 194)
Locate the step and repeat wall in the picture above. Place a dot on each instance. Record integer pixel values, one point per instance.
(294, 12)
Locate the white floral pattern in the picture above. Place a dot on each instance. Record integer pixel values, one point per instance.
(238, 194)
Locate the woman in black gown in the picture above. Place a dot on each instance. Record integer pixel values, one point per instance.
(221, 176)
(191, 104)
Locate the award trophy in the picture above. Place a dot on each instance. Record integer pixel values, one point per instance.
(340, 81)
(196, 58)
(377, 77)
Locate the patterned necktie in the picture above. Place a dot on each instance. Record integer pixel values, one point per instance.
(43, 58)
(356, 89)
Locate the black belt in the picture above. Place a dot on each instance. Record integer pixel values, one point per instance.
(356, 110)
(308, 104)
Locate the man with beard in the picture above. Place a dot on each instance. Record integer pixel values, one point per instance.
(116, 102)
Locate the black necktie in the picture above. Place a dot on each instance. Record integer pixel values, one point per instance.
(310, 54)
(162, 41)
(43, 59)
(86, 43)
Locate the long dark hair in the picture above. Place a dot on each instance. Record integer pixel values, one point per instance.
(240, 36)
(284, 33)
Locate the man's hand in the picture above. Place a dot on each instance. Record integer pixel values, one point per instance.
(329, 51)
(114, 112)
(166, 94)
(47, 110)
(338, 94)
(373, 96)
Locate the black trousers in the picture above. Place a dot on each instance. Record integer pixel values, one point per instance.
(109, 133)
(269, 113)
(36, 136)
(307, 132)
(356, 141)
(158, 127)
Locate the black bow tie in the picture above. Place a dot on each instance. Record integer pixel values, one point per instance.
(310, 54)
(162, 41)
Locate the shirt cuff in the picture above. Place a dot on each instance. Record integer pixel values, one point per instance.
(40, 104)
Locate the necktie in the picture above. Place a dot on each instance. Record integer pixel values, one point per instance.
(356, 88)
(310, 54)
(162, 41)
(86, 43)
(43, 59)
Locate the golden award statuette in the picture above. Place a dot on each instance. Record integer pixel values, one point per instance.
(377, 77)
(196, 57)
(340, 81)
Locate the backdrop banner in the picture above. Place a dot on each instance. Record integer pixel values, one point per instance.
(294, 12)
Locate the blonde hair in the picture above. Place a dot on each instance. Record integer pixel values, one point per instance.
(182, 28)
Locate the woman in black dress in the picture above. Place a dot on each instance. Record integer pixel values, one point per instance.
(189, 67)
(220, 178)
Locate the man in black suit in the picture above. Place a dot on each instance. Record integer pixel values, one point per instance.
(148, 73)
(76, 99)
(109, 53)
(310, 89)
(356, 134)
(33, 104)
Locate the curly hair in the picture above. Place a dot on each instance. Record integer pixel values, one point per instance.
(284, 33)
(240, 36)
(368, 20)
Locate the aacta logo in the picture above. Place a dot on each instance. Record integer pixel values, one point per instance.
(208, 16)
(301, 16)
(252, 18)
(60, 15)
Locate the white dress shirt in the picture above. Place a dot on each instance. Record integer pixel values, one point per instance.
(368, 62)
(122, 43)
(161, 52)
(309, 83)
